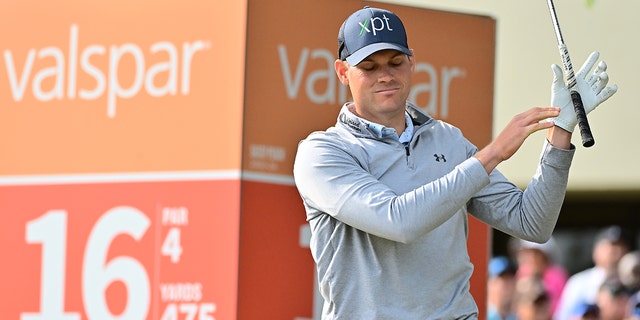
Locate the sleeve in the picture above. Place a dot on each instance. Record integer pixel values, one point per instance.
(530, 214)
(331, 181)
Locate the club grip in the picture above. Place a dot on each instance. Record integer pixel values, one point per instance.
(583, 123)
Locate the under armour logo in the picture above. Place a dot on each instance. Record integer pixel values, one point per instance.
(440, 157)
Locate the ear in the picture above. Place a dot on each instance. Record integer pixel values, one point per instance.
(342, 68)
(412, 61)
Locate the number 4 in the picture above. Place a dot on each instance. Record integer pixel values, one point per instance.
(171, 246)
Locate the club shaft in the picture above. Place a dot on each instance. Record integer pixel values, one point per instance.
(556, 24)
(581, 115)
(564, 52)
(568, 67)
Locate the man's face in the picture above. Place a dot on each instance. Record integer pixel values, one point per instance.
(380, 84)
(607, 254)
(532, 261)
(612, 305)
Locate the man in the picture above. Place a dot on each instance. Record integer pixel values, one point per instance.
(531, 301)
(388, 218)
(538, 259)
(611, 243)
(613, 300)
(629, 273)
(501, 287)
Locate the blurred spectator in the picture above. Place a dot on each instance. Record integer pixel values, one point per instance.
(629, 270)
(586, 312)
(610, 245)
(538, 259)
(613, 300)
(531, 300)
(629, 273)
(635, 311)
(500, 289)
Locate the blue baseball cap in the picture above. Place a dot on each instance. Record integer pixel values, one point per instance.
(586, 310)
(501, 265)
(369, 30)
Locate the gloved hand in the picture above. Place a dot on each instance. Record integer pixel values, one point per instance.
(591, 86)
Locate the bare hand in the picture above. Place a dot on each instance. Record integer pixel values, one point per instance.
(511, 138)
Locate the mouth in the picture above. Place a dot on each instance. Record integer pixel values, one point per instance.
(387, 91)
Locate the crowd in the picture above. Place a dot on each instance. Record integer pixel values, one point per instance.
(528, 284)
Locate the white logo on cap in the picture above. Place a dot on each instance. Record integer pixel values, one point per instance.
(381, 26)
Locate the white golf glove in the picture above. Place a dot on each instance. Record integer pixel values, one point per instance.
(591, 86)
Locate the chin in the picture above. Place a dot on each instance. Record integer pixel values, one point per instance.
(393, 104)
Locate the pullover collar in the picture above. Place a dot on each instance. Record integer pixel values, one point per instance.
(365, 128)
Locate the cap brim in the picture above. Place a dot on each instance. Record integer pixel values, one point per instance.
(364, 52)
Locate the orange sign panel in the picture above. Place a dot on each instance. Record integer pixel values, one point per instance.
(291, 85)
(120, 85)
(129, 250)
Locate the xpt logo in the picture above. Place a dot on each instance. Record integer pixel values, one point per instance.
(377, 24)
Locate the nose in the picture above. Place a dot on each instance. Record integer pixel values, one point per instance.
(385, 74)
